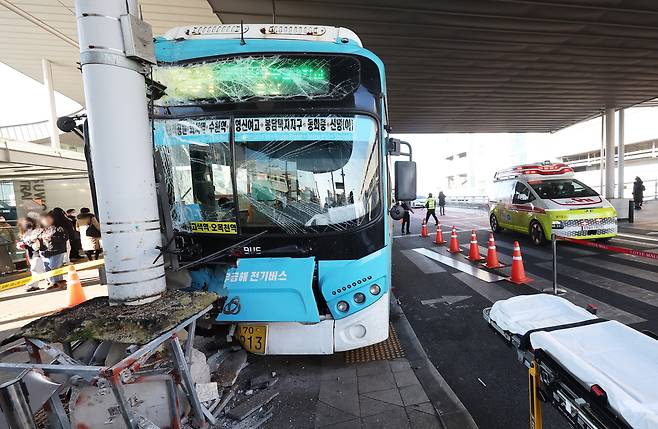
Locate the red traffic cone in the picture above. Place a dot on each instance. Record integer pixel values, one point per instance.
(518, 272)
(474, 253)
(454, 241)
(423, 230)
(439, 235)
(492, 255)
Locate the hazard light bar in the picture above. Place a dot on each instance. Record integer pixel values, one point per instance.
(541, 170)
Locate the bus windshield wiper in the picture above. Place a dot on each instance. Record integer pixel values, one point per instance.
(223, 252)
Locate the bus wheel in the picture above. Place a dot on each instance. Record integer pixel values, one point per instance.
(537, 234)
(493, 221)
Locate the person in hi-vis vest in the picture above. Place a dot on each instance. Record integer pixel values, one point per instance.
(430, 205)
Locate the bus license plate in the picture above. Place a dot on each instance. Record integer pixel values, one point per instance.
(253, 338)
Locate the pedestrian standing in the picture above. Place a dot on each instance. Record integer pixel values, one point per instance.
(61, 220)
(406, 217)
(28, 231)
(90, 233)
(442, 204)
(430, 205)
(76, 246)
(50, 242)
(638, 193)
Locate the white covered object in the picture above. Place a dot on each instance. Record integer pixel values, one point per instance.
(621, 360)
(524, 313)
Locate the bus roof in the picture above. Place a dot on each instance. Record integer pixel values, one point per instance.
(540, 170)
(319, 33)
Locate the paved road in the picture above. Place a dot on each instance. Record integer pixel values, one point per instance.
(479, 367)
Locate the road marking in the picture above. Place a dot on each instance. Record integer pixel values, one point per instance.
(461, 266)
(448, 299)
(638, 237)
(406, 235)
(621, 288)
(637, 243)
(535, 253)
(640, 259)
(622, 268)
(422, 263)
(489, 291)
(606, 310)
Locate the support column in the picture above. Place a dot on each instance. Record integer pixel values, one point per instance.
(46, 69)
(610, 153)
(121, 153)
(621, 155)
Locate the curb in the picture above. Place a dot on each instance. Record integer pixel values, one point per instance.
(449, 408)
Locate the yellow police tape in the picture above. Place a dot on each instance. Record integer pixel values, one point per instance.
(56, 272)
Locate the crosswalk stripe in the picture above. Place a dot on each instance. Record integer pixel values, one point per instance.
(638, 237)
(621, 288)
(638, 258)
(621, 241)
(535, 253)
(606, 311)
(427, 266)
(621, 268)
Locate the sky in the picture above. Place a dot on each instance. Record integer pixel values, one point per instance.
(24, 99)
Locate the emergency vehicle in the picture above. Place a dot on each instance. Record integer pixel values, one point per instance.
(544, 198)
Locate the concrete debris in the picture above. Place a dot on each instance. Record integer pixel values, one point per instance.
(249, 392)
(245, 408)
(216, 359)
(260, 382)
(230, 368)
(225, 400)
(207, 391)
(199, 370)
(255, 421)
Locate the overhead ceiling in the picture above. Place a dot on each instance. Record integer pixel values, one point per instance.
(36, 29)
(491, 65)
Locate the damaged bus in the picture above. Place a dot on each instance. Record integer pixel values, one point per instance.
(271, 157)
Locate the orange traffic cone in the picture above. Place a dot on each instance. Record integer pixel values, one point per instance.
(423, 230)
(474, 253)
(518, 272)
(454, 241)
(74, 288)
(439, 235)
(492, 255)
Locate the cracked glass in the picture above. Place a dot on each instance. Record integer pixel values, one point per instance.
(239, 79)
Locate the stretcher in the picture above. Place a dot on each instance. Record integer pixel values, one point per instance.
(598, 373)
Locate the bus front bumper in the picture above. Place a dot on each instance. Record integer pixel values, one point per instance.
(363, 328)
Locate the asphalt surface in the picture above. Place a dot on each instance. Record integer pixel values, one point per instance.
(478, 365)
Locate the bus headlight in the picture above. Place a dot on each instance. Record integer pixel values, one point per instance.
(342, 306)
(557, 224)
(359, 298)
(375, 289)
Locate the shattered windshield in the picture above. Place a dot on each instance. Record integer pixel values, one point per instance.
(239, 79)
(296, 174)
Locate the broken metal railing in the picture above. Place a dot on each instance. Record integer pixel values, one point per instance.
(116, 377)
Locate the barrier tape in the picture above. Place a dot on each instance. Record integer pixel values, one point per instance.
(642, 253)
(56, 272)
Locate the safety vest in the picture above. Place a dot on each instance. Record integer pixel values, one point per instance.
(431, 204)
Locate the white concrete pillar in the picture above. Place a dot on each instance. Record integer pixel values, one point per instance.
(121, 153)
(610, 153)
(47, 71)
(621, 154)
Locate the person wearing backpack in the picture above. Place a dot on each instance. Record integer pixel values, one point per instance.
(90, 233)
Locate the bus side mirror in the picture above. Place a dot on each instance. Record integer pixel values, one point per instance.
(405, 180)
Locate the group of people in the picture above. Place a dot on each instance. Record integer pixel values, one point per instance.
(55, 238)
(430, 205)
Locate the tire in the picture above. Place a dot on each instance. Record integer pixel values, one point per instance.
(537, 234)
(493, 221)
